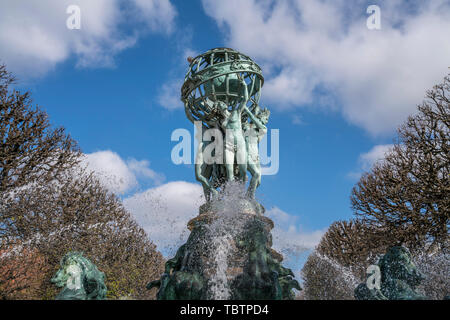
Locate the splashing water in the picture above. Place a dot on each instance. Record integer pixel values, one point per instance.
(219, 286)
(435, 268)
(345, 272)
(221, 231)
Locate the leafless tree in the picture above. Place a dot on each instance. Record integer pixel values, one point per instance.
(436, 268)
(403, 200)
(21, 274)
(50, 205)
(30, 150)
(325, 279)
(341, 258)
(408, 193)
(353, 245)
(81, 215)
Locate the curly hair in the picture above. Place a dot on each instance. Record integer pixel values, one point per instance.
(92, 280)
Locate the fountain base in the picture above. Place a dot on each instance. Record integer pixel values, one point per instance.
(228, 255)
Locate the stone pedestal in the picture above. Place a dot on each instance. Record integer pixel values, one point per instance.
(228, 255)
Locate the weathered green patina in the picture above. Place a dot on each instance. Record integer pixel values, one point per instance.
(228, 254)
(222, 89)
(79, 278)
(263, 276)
(253, 269)
(399, 278)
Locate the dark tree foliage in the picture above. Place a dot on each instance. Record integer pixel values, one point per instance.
(408, 193)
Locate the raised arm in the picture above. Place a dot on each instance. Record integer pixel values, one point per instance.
(245, 96)
(223, 110)
(254, 119)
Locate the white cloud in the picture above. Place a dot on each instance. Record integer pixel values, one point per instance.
(142, 169)
(368, 159)
(169, 95)
(169, 92)
(308, 46)
(297, 120)
(164, 212)
(287, 234)
(157, 14)
(34, 37)
(117, 175)
(289, 239)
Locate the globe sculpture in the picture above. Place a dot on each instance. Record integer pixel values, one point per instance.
(228, 254)
(221, 90)
(214, 76)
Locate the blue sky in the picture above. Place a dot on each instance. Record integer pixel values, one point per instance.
(336, 91)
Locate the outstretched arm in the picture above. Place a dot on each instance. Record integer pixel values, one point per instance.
(245, 96)
(225, 114)
(254, 119)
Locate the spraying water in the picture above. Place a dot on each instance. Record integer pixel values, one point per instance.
(219, 286)
(228, 255)
(226, 226)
